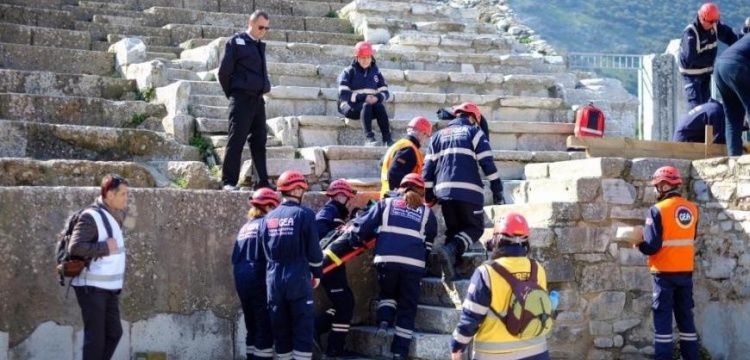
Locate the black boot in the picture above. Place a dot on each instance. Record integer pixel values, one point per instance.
(447, 257)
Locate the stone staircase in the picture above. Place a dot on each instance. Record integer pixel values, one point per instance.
(71, 111)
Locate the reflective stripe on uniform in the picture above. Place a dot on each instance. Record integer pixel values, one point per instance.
(404, 333)
(510, 345)
(401, 231)
(461, 338)
(701, 71)
(517, 354)
(301, 355)
(677, 242)
(398, 259)
(387, 303)
(263, 353)
(459, 185)
(452, 151)
(336, 260)
(474, 307)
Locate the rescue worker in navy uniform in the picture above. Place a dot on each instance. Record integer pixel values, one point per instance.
(243, 76)
(453, 179)
(336, 319)
(692, 127)
(404, 157)
(405, 229)
(490, 293)
(363, 92)
(668, 240)
(250, 277)
(732, 78)
(698, 51)
(288, 238)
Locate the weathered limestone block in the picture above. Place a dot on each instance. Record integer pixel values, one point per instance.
(601, 277)
(594, 212)
(201, 335)
(643, 169)
(147, 75)
(723, 191)
(618, 191)
(578, 190)
(175, 97)
(597, 168)
(582, 239)
(536, 171)
(316, 155)
(207, 57)
(275, 167)
(636, 277)
(195, 174)
(180, 127)
(48, 341)
(285, 129)
(30, 172)
(600, 328)
(128, 51)
(606, 306)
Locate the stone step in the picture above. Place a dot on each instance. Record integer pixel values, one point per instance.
(85, 10)
(70, 61)
(277, 152)
(435, 292)
(180, 74)
(148, 40)
(423, 346)
(44, 36)
(340, 55)
(457, 42)
(538, 215)
(164, 56)
(430, 319)
(219, 141)
(118, 20)
(161, 16)
(100, 31)
(77, 110)
(275, 168)
(298, 100)
(606, 168)
(56, 84)
(31, 172)
(185, 32)
(49, 141)
(33, 16)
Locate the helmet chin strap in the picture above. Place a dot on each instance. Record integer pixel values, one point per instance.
(661, 195)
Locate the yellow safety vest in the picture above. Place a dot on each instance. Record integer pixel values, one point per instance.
(388, 160)
(492, 340)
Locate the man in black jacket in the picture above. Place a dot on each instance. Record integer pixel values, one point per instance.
(243, 75)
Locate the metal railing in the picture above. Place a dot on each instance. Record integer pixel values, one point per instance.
(604, 61)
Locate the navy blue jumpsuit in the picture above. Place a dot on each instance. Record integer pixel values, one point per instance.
(355, 83)
(692, 127)
(337, 319)
(404, 239)
(249, 279)
(288, 239)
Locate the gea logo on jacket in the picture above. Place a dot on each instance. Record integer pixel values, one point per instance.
(684, 217)
(280, 226)
(248, 230)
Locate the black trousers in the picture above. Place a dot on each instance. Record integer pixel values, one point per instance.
(101, 321)
(366, 113)
(337, 319)
(464, 224)
(399, 297)
(247, 124)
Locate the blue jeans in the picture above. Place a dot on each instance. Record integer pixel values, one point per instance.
(732, 78)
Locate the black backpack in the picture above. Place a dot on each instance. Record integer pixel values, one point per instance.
(67, 265)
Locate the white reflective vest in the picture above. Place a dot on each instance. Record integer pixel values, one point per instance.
(107, 272)
(699, 49)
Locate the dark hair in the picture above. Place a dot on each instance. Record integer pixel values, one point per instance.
(111, 182)
(258, 13)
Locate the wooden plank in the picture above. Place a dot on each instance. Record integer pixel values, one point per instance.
(709, 139)
(632, 148)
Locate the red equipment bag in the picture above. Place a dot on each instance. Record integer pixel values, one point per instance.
(589, 121)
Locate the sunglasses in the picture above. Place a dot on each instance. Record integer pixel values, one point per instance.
(711, 21)
(264, 28)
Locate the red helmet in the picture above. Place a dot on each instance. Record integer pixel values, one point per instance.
(709, 12)
(667, 174)
(265, 197)
(412, 179)
(340, 186)
(420, 123)
(469, 108)
(512, 224)
(290, 180)
(363, 48)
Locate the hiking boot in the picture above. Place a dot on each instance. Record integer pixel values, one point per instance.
(370, 141)
(228, 187)
(382, 329)
(388, 142)
(447, 258)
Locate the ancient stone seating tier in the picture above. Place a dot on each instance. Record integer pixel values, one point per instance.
(129, 86)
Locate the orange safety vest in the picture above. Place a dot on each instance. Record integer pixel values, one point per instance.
(679, 219)
(388, 160)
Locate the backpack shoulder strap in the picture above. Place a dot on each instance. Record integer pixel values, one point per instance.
(105, 220)
(505, 274)
(534, 270)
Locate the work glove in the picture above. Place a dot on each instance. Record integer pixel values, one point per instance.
(497, 198)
